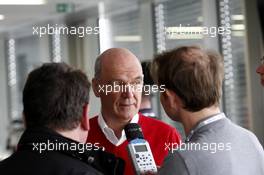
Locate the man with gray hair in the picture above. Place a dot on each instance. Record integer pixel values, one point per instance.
(118, 83)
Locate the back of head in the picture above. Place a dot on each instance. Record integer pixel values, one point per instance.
(193, 74)
(54, 96)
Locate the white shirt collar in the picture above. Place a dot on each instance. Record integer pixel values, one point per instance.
(109, 133)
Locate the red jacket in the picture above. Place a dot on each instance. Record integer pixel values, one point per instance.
(156, 132)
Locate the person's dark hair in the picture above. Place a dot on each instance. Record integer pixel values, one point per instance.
(54, 96)
(148, 81)
(146, 72)
(193, 74)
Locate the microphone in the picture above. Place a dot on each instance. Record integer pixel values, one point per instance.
(139, 150)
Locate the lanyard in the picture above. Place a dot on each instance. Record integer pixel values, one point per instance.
(204, 123)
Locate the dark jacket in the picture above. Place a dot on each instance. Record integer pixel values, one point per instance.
(30, 160)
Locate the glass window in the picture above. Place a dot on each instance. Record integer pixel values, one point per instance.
(235, 91)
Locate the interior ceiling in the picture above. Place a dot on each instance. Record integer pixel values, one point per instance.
(21, 16)
(16, 16)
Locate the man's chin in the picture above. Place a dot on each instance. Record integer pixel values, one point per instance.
(127, 109)
(127, 115)
(173, 117)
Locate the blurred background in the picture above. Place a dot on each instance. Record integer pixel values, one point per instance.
(138, 25)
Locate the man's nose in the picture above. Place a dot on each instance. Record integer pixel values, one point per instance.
(129, 92)
(260, 69)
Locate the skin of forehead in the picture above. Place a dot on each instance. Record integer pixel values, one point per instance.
(119, 60)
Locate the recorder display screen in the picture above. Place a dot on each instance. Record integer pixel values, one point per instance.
(140, 148)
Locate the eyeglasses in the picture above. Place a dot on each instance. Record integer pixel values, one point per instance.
(262, 60)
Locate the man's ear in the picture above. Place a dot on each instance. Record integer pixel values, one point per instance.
(85, 118)
(172, 98)
(95, 85)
